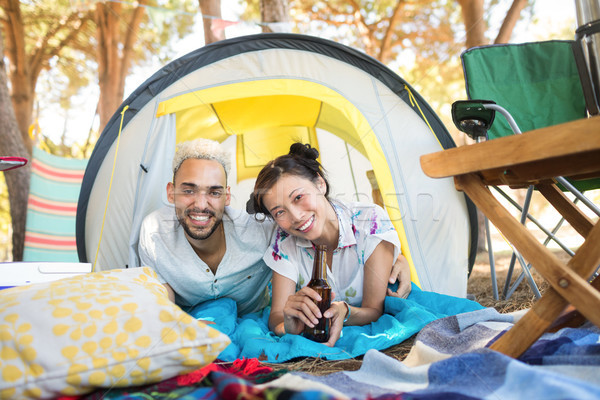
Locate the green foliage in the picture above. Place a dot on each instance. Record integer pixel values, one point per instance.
(423, 26)
(164, 21)
(440, 84)
(62, 149)
(73, 68)
(48, 23)
(251, 11)
(43, 17)
(65, 79)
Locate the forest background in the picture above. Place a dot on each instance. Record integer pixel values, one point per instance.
(68, 65)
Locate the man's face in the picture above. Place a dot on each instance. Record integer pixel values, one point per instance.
(200, 194)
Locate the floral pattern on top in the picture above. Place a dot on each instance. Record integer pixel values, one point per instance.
(374, 226)
(361, 228)
(279, 237)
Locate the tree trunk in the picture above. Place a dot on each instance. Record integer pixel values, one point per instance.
(387, 43)
(22, 92)
(17, 180)
(25, 67)
(508, 25)
(114, 56)
(210, 10)
(107, 22)
(273, 11)
(472, 13)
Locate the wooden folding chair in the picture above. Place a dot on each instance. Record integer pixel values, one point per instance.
(571, 150)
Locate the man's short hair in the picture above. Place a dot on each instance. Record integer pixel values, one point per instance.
(201, 149)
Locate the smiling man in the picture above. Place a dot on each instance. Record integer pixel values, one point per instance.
(201, 248)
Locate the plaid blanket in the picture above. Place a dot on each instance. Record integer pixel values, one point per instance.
(450, 360)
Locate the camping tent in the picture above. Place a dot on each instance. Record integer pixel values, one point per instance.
(260, 93)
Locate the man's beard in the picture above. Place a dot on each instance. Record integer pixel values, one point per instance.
(199, 236)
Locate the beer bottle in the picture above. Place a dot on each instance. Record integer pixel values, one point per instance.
(318, 282)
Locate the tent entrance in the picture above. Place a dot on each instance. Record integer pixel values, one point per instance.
(268, 115)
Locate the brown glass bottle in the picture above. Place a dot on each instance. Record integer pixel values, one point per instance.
(318, 282)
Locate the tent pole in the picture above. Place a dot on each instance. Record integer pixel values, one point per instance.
(351, 171)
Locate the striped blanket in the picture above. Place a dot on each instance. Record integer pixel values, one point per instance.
(449, 360)
(51, 207)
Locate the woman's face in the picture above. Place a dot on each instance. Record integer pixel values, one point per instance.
(298, 205)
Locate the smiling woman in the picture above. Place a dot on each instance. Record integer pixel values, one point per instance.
(360, 240)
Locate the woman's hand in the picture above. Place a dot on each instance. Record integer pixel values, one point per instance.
(337, 313)
(400, 272)
(301, 309)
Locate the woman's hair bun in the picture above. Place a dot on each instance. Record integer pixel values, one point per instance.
(251, 205)
(304, 150)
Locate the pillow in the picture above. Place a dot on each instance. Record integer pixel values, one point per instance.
(106, 329)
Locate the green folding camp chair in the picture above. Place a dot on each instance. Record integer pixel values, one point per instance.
(533, 85)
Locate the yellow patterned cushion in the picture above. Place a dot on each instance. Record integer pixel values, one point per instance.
(100, 330)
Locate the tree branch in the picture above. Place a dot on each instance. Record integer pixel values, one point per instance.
(508, 25)
(130, 38)
(363, 28)
(44, 52)
(472, 12)
(38, 55)
(386, 42)
(325, 12)
(15, 36)
(72, 35)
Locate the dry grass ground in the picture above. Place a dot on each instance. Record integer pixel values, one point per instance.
(479, 285)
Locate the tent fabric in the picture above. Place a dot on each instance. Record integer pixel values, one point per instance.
(52, 206)
(261, 86)
(271, 141)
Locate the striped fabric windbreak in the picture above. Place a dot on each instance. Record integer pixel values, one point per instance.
(51, 207)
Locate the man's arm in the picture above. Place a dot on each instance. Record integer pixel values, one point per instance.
(400, 272)
(147, 258)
